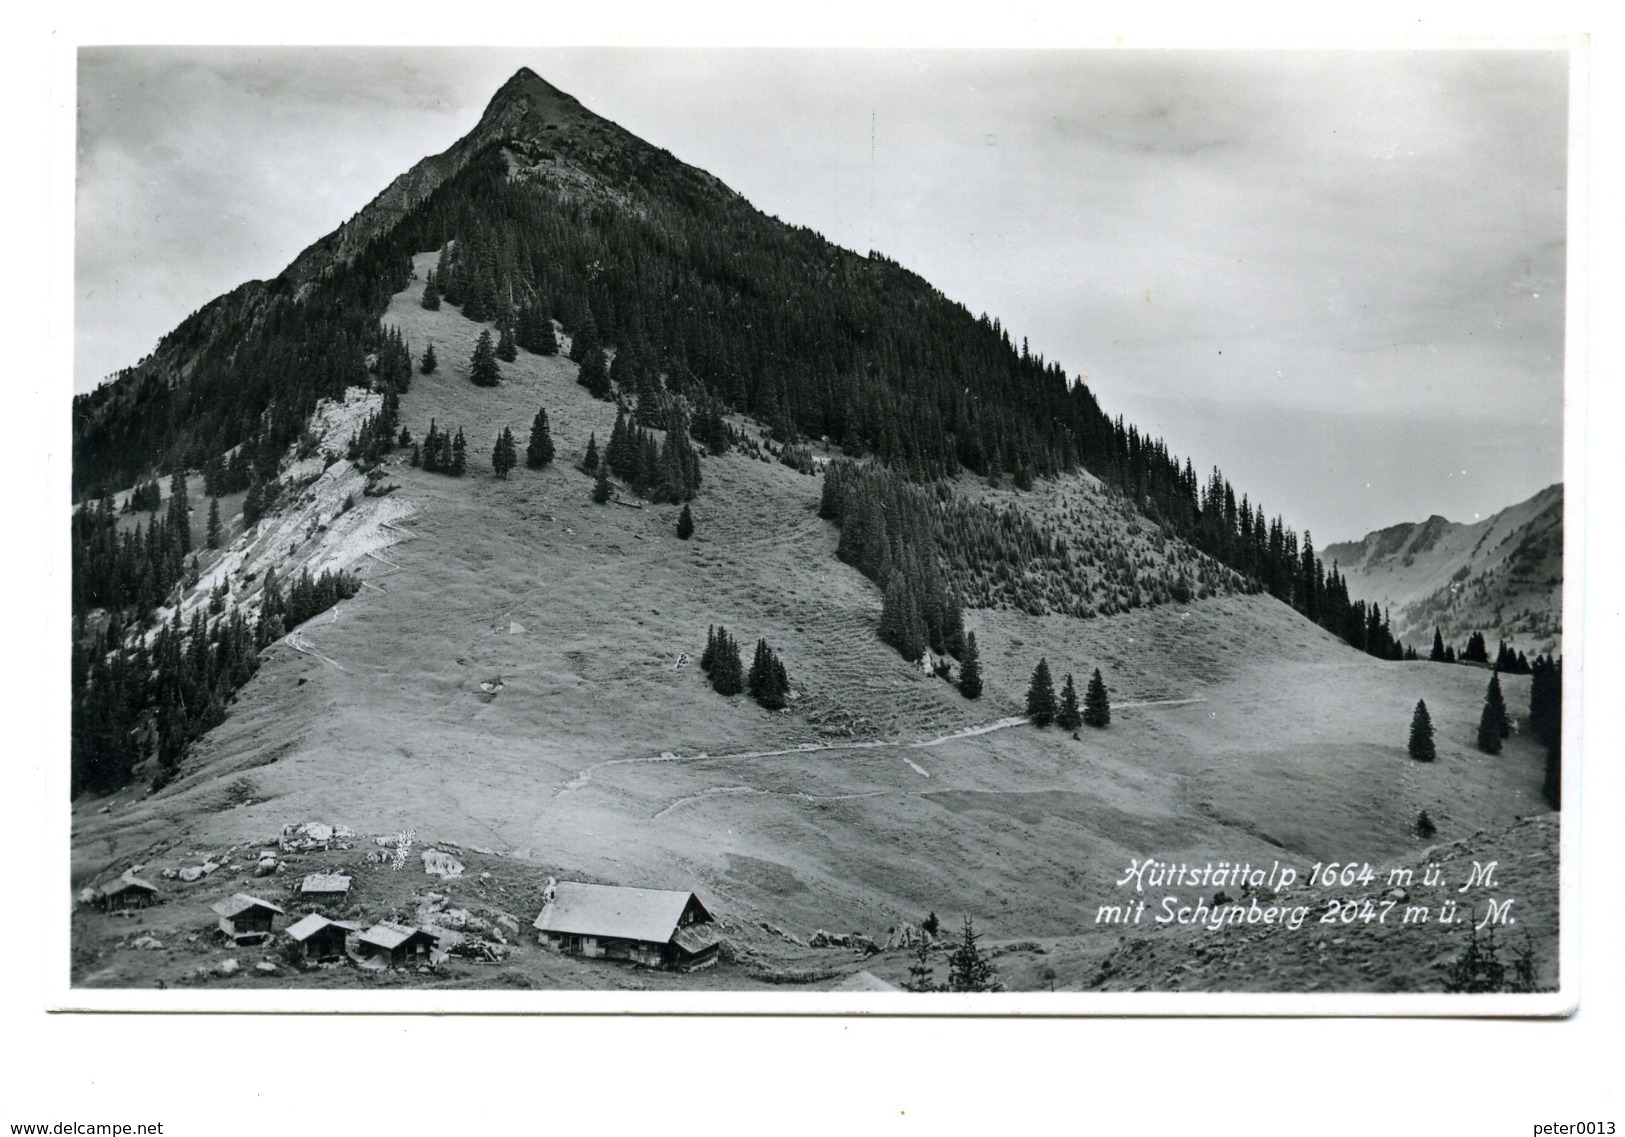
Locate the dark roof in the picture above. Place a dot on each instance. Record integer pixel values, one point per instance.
(613, 912)
(241, 902)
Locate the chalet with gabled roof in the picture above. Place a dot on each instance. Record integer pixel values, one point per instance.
(653, 927)
(246, 919)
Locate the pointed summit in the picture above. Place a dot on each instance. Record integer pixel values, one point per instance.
(525, 105)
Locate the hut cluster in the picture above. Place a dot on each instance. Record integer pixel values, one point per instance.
(651, 927)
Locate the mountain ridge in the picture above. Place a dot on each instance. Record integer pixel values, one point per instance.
(1501, 576)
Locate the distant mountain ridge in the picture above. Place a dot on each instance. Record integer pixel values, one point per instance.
(1502, 576)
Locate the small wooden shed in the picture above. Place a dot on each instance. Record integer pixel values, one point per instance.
(246, 919)
(396, 945)
(319, 938)
(325, 888)
(127, 892)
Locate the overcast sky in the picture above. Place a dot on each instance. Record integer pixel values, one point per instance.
(1339, 277)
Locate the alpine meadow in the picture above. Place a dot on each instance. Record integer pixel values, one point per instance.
(566, 576)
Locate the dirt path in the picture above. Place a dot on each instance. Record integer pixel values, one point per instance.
(585, 776)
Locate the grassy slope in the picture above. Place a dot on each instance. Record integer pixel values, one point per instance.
(1296, 744)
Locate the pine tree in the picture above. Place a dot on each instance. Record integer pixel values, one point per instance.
(429, 362)
(459, 455)
(600, 487)
(507, 350)
(589, 460)
(594, 374)
(1495, 700)
(1421, 744)
(504, 455)
(1097, 707)
(970, 669)
(685, 524)
(213, 536)
(969, 968)
(1069, 718)
(1489, 730)
(727, 669)
(1424, 827)
(1041, 695)
(767, 681)
(431, 294)
(482, 365)
(920, 971)
(539, 451)
(1437, 654)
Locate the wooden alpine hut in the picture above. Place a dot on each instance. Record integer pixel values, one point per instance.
(654, 927)
(246, 919)
(320, 939)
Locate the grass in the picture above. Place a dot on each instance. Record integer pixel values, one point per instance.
(602, 759)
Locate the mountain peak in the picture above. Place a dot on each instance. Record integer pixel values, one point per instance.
(527, 100)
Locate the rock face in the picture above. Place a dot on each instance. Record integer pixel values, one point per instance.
(1502, 576)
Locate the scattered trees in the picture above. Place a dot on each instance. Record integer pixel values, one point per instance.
(1097, 707)
(1421, 742)
(1041, 695)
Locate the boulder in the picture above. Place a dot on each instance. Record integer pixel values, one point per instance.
(191, 873)
(437, 863)
(226, 967)
(265, 868)
(265, 965)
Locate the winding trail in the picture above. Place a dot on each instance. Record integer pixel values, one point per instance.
(585, 776)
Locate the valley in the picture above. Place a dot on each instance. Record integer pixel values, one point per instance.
(511, 678)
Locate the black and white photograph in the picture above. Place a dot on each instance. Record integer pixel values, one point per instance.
(968, 570)
(819, 525)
